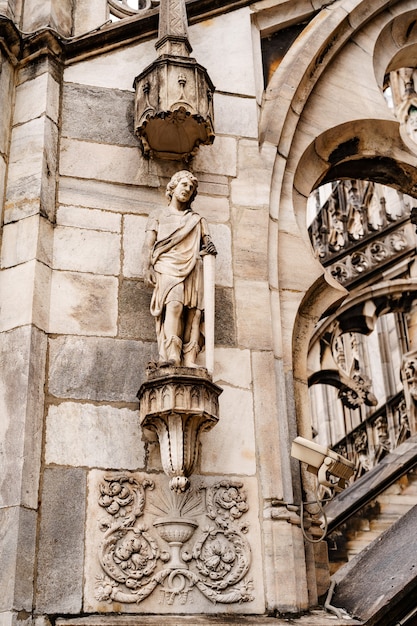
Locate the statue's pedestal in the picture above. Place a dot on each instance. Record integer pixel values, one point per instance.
(178, 403)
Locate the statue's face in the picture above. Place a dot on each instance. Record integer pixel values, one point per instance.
(184, 190)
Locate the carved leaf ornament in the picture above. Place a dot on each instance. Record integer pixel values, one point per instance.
(134, 563)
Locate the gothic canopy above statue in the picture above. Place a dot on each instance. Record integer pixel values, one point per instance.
(174, 95)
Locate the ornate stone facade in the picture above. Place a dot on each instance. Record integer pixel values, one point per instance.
(75, 331)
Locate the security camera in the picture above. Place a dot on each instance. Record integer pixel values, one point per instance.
(324, 463)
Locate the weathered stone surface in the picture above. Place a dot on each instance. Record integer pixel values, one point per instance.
(107, 196)
(30, 185)
(89, 16)
(44, 64)
(94, 219)
(22, 352)
(214, 209)
(108, 370)
(61, 541)
(89, 113)
(41, 296)
(17, 557)
(267, 433)
(226, 37)
(302, 256)
(213, 184)
(225, 321)
(14, 618)
(129, 60)
(86, 250)
(27, 239)
(236, 116)
(83, 304)
(285, 577)
(35, 98)
(133, 238)
(135, 319)
(250, 237)
(220, 158)
(6, 99)
(3, 169)
(93, 436)
(316, 617)
(56, 13)
(253, 314)
(289, 303)
(25, 167)
(230, 446)
(154, 598)
(24, 293)
(223, 241)
(85, 159)
(233, 367)
(252, 186)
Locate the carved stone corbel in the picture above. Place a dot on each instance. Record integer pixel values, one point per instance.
(179, 403)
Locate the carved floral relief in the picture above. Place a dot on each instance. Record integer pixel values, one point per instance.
(153, 549)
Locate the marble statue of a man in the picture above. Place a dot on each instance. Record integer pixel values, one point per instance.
(176, 238)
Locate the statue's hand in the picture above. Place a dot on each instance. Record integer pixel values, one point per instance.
(209, 247)
(149, 277)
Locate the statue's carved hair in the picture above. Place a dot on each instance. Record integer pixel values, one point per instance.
(176, 179)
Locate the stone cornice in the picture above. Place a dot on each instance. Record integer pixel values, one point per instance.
(21, 48)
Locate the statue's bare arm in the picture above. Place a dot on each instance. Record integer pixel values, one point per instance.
(148, 271)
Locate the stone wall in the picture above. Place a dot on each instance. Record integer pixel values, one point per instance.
(76, 333)
(101, 332)
(78, 196)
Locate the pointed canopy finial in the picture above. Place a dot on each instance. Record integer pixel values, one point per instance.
(173, 29)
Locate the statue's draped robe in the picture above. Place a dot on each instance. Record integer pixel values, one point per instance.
(176, 261)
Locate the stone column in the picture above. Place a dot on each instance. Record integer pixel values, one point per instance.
(54, 13)
(89, 15)
(259, 322)
(26, 251)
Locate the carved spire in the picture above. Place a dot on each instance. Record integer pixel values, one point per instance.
(174, 95)
(173, 29)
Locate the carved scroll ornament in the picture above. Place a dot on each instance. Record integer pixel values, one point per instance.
(134, 562)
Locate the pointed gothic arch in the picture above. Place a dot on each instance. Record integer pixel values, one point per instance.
(325, 112)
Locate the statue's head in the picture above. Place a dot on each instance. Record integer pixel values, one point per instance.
(177, 177)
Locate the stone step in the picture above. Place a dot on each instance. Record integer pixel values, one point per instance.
(393, 504)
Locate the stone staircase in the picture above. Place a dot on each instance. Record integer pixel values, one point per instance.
(372, 527)
(380, 514)
(361, 513)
